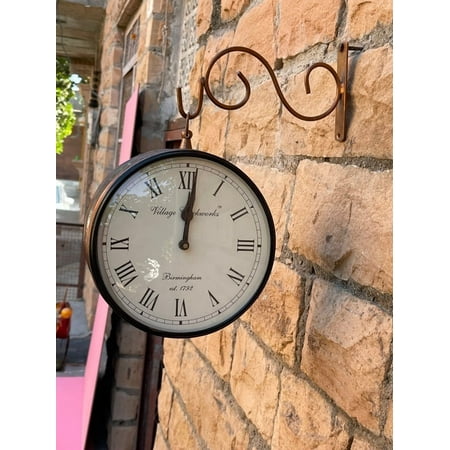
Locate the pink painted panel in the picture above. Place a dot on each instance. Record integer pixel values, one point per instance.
(128, 126)
(93, 364)
(69, 400)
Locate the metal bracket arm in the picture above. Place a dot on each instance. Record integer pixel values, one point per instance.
(339, 103)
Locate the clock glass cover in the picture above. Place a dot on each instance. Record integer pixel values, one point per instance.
(180, 243)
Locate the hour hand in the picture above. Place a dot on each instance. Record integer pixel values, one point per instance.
(187, 214)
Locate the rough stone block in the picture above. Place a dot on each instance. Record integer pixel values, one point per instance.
(255, 30)
(110, 96)
(303, 24)
(164, 404)
(194, 78)
(230, 9)
(129, 372)
(111, 76)
(213, 126)
(305, 420)
(213, 46)
(125, 406)
(107, 139)
(255, 383)
(204, 16)
(364, 16)
(274, 315)
(122, 437)
(361, 444)
(370, 129)
(210, 410)
(180, 433)
(388, 427)
(160, 442)
(112, 38)
(154, 68)
(252, 129)
(154, 34)
(109, 118)
(348, 346)
(218, 349)
(160, 6)
(342, 220)
(131, 340)
(173, 354)
(116, 55)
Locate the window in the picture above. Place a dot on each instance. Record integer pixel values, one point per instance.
(128, 69)
(131, 45)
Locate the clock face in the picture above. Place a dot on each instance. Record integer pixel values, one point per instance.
(180, 243)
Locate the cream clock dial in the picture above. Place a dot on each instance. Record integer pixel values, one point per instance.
(179, 242)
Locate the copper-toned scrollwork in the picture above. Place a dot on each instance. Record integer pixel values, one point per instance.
(339, 100)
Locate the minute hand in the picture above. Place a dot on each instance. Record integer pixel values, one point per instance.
(187, 214)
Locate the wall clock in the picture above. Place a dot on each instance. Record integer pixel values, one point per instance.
(179, 242)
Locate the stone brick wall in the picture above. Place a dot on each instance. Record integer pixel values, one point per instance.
(310, 364)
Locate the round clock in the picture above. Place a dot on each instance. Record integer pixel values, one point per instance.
(179, 242)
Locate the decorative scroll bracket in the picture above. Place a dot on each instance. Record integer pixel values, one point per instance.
(340, 101)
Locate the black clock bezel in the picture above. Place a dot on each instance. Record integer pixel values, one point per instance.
(105, 192)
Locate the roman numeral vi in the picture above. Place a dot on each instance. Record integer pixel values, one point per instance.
(180, 308)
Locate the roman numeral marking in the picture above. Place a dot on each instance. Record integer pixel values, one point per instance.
(245, 245)
(130, 211)
(180, 308)
(187, 179)
(153, 185)
(126, 273)
(217, 190)
(119, 244)
(235, 276)
(239, 213)
(214, 301)
(149, 299)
